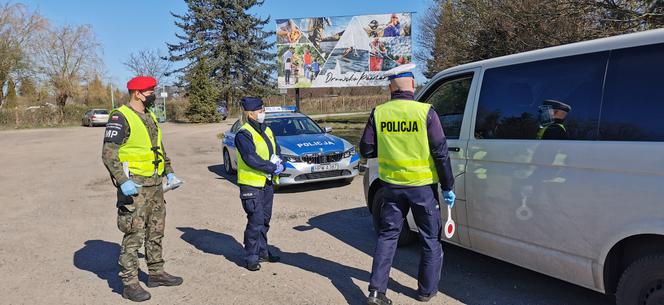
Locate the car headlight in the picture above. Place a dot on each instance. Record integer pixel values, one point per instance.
(291, 158)
(349, 153)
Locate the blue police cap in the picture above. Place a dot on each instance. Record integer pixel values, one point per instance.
(251, 103)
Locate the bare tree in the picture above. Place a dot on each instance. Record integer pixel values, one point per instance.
(67, 56)
(148, 62)
(18, 30)
(426, 36)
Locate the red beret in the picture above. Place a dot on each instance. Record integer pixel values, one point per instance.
(141, 83)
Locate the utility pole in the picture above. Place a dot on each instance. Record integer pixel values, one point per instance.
(112, 97)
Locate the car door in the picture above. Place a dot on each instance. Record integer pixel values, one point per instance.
(229, 142)
(451, 96)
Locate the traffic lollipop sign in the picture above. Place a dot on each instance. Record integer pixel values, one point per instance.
(450, 226)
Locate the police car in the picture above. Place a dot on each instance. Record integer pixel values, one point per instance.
(309, 152)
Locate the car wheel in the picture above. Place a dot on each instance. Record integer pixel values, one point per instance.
(349, 180)
(642, 282)
(406, 236)
(228, 167)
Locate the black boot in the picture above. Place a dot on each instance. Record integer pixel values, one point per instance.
(269, 258)
(253, 267)
(425, 297)
(163, 279)
(135, 292)
(378, 298)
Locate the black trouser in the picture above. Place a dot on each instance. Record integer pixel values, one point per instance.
(257, 203)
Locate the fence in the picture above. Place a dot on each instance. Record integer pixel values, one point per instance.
(320, 105)
(42, 116)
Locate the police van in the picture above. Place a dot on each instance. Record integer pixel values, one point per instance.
(585, 206)
(310, 153)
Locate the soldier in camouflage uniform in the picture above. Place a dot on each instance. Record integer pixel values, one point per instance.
(136, 159)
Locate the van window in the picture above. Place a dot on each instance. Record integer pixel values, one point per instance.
(449, 100)
(633, 105)
(512, 100)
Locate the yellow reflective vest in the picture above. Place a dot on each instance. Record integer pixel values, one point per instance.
(247, 175)
(404, 157)
(138, 153)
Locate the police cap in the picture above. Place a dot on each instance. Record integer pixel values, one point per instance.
(557, 105)
(251, 103)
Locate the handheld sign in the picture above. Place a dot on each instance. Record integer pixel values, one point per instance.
(450, 226)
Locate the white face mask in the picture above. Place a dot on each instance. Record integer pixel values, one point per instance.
(260, 118)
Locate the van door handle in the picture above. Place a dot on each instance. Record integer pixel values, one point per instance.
(454, 149)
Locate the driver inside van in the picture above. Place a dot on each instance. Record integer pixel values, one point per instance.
(552, 116)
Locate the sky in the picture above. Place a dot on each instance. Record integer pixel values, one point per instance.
(126, 26)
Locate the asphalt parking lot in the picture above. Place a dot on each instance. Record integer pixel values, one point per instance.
(59, 241)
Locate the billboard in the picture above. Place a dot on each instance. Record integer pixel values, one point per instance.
(341, 51)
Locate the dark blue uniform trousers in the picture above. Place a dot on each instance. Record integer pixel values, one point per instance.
(257, 203)
(423, 200)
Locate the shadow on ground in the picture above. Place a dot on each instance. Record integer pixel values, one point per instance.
(221, 172)
(101, 258)
(340, 275)
(467, 276)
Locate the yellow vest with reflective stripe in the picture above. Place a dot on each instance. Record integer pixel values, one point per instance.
(404, 157)
(137, 151)
(542, 130)
(247, 175)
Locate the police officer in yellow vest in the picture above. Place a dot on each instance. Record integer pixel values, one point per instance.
(552, 116)
(135, 157)
(259, 166)
(407, 138)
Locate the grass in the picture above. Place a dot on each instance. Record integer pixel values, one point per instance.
(349, 128)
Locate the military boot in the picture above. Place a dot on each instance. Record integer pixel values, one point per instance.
(135, 292)
(163, 279)
(378, 298)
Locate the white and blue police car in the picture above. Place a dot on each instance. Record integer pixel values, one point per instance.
(310, 153)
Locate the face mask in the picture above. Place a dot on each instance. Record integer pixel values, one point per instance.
(149, 100)
(545, 115)
(260, 118)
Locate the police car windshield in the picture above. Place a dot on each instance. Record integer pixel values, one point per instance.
(291, 126)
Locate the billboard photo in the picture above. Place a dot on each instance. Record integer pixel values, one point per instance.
(341, 51)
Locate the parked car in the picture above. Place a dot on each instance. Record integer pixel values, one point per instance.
(310, 153)
(95, 117)
(223, 112)
(586, 207)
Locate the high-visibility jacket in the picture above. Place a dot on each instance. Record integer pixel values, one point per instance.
(141, 157)
(542, 130)
(404, 157)
(247, 175)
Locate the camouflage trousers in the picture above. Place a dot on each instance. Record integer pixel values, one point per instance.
(141, 222)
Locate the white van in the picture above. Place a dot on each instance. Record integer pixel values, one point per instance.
(585, 206)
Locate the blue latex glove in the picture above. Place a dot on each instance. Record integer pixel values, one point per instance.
(449, 197)
(130, 188)
(279, 170)
(170, 178)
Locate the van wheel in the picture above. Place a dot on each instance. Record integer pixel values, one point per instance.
(406, 236)
(228, 167)
(642, 282)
